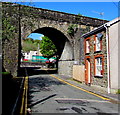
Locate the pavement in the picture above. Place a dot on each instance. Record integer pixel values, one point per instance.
(115, 98)
(10, 91)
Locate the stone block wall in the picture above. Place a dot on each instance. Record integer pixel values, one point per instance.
(65, 68)
(101, 81)
(10, 39)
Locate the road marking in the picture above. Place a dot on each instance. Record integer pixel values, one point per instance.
(21, 110)
(104, 98)
(18, 77)
(24, 96)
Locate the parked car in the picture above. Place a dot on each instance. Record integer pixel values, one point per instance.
(51, 63)
(25, 59)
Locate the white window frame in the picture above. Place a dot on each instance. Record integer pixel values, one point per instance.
(97, 44)
(98, 66)
(87, 46)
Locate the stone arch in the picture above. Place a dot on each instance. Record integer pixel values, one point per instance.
(44, 23)
(59, 39)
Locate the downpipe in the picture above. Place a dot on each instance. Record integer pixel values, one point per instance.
(108, 64)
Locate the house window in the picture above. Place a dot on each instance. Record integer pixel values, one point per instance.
(87, 45)
(98, 42)
(99, 66)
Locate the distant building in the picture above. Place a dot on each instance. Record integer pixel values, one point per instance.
(29, 55)
(101, 56)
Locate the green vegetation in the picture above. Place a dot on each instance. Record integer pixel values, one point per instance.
(30, 45)
(72, 29)
(79, 14)
(7, 29)
(5, 73)
(118, 92)
(47, 47)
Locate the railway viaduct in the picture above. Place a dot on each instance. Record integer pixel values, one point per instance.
(63, 29)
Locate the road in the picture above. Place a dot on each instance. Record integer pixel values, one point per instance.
(50, 95)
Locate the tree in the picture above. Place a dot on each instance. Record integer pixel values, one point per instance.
(47, 48)
(30, 44)
(79, 14)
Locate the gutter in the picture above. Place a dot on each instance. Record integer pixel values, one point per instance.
(93, 31)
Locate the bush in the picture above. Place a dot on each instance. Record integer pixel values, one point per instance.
(5, 73)
(118, 91)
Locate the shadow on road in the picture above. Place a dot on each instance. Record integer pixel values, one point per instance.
(42, 100)
(40, 84)
(28, 71)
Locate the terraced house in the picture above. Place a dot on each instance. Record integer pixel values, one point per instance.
(101, 56)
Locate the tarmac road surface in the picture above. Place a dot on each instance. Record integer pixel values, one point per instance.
(50, 95)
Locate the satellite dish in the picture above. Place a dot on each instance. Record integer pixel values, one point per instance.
(99, 36)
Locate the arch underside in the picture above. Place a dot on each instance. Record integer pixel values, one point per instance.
(57, 37)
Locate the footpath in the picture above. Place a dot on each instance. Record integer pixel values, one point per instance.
(10, 92)
(115, 98)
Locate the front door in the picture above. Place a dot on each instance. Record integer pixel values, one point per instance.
(87, 71)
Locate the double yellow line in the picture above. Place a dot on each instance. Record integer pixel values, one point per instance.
(23, 109)
(104, 98)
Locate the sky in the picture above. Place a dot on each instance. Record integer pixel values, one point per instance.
(90, 9)
(109, 10)
(36, 36)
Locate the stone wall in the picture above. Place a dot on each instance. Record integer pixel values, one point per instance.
(60, 16)
(10, 39)
(101, 81)
(65, 68)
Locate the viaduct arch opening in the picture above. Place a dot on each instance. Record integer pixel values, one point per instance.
(65, 50)
(57, 37)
